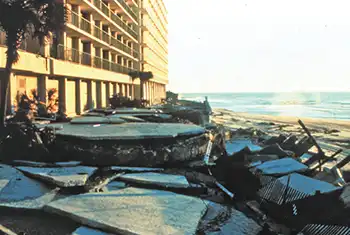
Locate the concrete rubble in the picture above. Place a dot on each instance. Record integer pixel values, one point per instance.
(141, 171)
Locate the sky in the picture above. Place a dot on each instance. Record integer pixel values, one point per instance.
(258, 45)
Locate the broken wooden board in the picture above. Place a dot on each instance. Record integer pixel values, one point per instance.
(129, 131)
(163, 180)
(133, 211)
(89, 231)
(63, 176)
(237, 145)
(221, 219)
(19, 191)
(281, 167)
(299, 187)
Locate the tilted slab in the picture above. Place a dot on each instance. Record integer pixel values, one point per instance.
(133, 211)
(221, 219)
(89, 231)
(132, 131)
(136, 169)
(19, 191)
(299, 187)
(239, 144)
(163, 180)
(63, 176)
(281, 167)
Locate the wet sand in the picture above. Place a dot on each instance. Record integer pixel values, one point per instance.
(330, 134)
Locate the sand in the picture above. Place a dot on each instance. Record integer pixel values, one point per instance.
(330, 134)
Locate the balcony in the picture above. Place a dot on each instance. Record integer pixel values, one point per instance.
(75, 56)
(128, 9)
(115, 18)
(98, 33)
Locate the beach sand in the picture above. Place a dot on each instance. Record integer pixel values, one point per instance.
(330, 134)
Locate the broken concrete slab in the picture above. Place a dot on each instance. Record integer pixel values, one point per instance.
(133, 211)
(163, 180)
(31, 163)
(89, 231)
(96, 120)
(237, 145)
(132, 119)
(130, 131)
(281, 167)
(222, 219)
(63, 176)
(136, 169)
(68, 164)
(19, 191)
(115, 185)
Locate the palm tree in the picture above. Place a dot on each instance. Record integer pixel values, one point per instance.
(26, 18)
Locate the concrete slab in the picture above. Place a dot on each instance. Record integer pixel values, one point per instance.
(239, 144)
(30, 163)
(132, 119)
(130, 131)
(136, 169)
(163, 180)
(97, 120)
(63, 176)
(221, 219)
(68, 164)
(89, 231)
(133, 211)
(282, 166)
(19, 191)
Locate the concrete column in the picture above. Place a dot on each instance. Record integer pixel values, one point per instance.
(98, 94)
(78, 107)
(89, 94)
(127, 90)
(132, 91)
(108, 91)
(120, 90)
(115, 90)
(41, 84)
(12, 92)
(62, 94)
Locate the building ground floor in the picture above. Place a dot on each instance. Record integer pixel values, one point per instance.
(78, 87)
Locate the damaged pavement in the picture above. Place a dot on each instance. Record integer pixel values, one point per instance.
(145, 171)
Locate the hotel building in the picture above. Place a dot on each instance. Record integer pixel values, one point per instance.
(103, 41)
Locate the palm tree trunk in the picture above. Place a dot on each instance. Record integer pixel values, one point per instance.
(5, 86)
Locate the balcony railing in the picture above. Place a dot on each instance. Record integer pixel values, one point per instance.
(100, 34)
(75, 56)
(104, 8)
(128, 9)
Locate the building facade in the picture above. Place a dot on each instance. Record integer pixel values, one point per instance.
(90, 61)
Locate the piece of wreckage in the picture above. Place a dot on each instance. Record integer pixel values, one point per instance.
(296, 192)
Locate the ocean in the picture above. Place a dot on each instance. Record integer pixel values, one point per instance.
(328, 105)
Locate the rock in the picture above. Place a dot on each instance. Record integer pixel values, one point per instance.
(88, 231)
(281, 167)
(19, 191)
(239, 144)
(223, 220)
(62, 177)
(133, 211)
(163, 180)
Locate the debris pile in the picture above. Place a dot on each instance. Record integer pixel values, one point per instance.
(127, 171)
